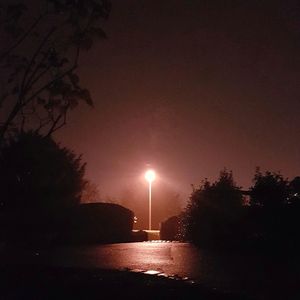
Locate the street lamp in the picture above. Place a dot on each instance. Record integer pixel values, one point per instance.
(150, 177)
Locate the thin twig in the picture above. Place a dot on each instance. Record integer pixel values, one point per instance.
(31, 77)
(40, 47)
(49, 84)
(12, 47)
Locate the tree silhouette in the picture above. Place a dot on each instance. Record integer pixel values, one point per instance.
(36, 173)
(40, 58)
(270, 189)
(90, 193)
(213, 210)
(295, 190)
(273, 213)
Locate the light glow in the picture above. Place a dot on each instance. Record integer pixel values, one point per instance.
(150, 176)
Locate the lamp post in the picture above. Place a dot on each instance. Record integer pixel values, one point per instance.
(150, 177)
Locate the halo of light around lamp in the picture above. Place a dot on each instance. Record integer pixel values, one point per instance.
(150, 175)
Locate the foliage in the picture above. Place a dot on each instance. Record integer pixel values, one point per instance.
(294, 187)
(90, 193)
(39, 63)
(270, 189)
(216, 215)
(36, 173)
(275, 210)
(213, 210)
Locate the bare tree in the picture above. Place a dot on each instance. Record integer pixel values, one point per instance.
(39, 83)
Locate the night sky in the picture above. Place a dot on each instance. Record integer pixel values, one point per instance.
(188, 88)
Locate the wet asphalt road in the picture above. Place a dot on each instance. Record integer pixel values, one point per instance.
(236, 272)
(170, 258)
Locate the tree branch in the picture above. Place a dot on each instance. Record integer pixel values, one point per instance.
(38, 77)
(31, 80)
(53, 127)
(49, 84)
(9, 120)
(51, 31)
(25, 35)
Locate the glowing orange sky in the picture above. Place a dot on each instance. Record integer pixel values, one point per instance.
(190, 88)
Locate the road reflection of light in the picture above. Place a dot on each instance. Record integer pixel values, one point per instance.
(163, 275)
(162, 256)
(152, 272)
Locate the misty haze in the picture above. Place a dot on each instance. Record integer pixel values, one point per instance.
(149, 149)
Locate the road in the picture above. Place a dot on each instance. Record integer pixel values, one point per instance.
(162, 257)
(231, 271)
(168, 257)
(158, 257)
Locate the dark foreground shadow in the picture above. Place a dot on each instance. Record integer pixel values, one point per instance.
(74, 283)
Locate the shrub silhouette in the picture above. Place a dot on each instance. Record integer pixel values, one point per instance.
(37, 173)
(213, 211)
(270, 189)
(39, 181)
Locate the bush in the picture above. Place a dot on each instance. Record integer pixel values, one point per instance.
(39, 181)
(36, 172)
(270, 190)
(213, 211)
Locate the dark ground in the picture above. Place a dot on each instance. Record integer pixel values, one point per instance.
(70, 283)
